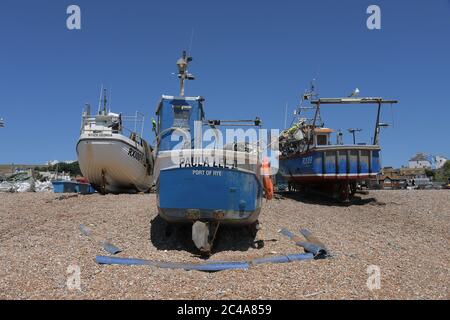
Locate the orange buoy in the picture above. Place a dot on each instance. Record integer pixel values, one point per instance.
(267, 181)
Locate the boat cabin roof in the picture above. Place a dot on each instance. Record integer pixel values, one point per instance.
(106, 117)
(323, 130)
(166, 97)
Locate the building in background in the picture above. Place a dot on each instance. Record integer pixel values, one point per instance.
(402, 178)
(390, 178)
(420, 160)
(439, 161)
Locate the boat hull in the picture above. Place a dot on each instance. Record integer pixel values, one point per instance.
(114, 164)
(209, 194)
(229, 195)
(327, 164)
(331, 170)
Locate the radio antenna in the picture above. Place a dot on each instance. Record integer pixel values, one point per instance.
(190, 43)
(285, 116)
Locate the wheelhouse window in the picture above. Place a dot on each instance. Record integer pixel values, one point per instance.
(181, 116)
(322, 140)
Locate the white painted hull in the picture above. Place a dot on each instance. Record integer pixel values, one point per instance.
(108, 161)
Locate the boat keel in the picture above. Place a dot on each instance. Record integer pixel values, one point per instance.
(203, 235)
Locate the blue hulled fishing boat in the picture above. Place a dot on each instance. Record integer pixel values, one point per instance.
(310, 161)
(204, 184)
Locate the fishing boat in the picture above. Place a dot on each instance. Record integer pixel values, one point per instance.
(311, 162)
(114, 158)
(206, 186)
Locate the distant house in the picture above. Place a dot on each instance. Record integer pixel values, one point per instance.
(439, 161)
(420, 160)
(391, 178)
(394, 183)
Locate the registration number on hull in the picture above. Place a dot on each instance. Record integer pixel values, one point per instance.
(139, 156)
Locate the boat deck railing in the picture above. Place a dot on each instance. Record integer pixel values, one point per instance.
(119, 127)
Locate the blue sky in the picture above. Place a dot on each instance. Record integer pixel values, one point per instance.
(250, 58)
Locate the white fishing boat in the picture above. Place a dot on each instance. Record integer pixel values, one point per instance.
(112, 157)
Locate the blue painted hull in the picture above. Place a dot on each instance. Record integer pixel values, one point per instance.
(335, 163)
(231, 196)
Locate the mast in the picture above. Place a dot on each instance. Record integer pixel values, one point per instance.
(105, 101)
(183, 73)
(100, 101)
(377, 124)
(353, 131)
(308, 95)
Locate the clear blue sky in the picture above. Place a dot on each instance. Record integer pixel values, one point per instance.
(250, 58)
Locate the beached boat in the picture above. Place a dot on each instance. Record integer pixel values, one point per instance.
(310, 161)
(199, 185)
(112, 157)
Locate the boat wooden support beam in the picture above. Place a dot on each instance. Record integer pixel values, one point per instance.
(107, 246)
(311, 238)
(312, 245)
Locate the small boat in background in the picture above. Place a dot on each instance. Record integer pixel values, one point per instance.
(70, 186)
(309, 161)
(113, 161)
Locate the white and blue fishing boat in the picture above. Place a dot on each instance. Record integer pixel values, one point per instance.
(310, 161)
(205, 186)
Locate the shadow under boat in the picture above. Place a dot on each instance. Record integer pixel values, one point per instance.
(321, 199)
(165, 236)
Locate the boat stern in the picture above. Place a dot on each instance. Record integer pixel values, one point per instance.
(229, 196)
